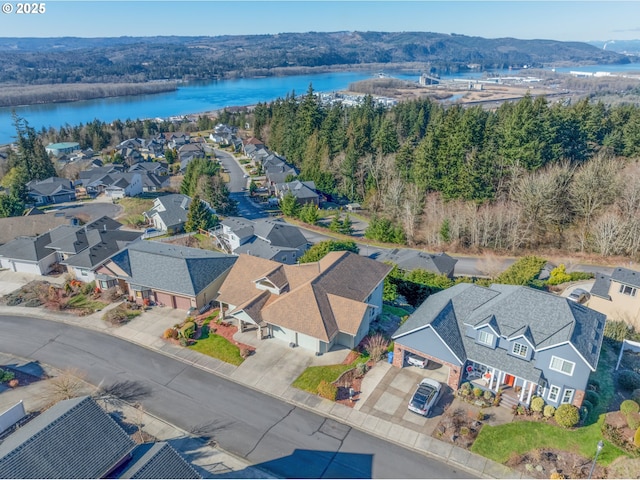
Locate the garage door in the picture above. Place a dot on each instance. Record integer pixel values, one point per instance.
(305, 341)
(165, 299)
(281, 334)
(183, 303)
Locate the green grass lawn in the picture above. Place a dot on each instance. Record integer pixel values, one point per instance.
(217, 347)
(397, 311)
(135, 206)
(312, 376)
(497, 443)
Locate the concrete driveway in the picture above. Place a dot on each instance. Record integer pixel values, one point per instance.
(12, 281)
(389, 398)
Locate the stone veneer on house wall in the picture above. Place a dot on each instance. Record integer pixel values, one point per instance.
(455, 372)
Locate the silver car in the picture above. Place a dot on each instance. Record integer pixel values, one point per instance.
(579, 295)
(425, 397)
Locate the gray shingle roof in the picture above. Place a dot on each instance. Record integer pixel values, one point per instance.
(409, 260)
(601, 286)
(172, 209)
(275, 232)
(626, 276)
(50, 186)
(172, 268)
(260, 248)
(544, 319)
(31, 249)
(109, 242)
(73, 439)
(157, 460)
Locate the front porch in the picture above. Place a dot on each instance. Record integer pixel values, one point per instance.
(514, 390)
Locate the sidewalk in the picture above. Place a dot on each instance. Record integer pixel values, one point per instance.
(271, 370)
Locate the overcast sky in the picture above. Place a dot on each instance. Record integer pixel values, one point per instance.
(577, 20)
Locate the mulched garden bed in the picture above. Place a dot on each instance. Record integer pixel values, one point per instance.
(23, 378)
(350, 380)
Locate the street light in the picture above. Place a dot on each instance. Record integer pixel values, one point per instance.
(598, 450)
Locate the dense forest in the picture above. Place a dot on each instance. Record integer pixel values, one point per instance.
(33, 61)
(528, 175)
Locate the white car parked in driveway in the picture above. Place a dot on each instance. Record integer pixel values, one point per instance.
(425, 397)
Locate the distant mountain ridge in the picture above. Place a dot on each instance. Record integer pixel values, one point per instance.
(71, 59)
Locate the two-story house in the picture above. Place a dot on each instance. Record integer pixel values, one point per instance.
(314, 305)
(264, 238)
(522, 341)
(616, 296)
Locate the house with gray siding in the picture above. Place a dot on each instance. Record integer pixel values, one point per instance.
(521, 341)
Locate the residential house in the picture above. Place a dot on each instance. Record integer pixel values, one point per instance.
(271, 239)
(32, 225)
(30, 254)
(51, 190)
(169, 212)
(176, 139)
(409, 260)
(131, 156)
(166, 274)
(57, 149)
(123, 185)
(188, 152)
(251, 141)
(616, 296)
(516, 339)
(315, 305)
(279, 173)
(305, 192)
(157, 168)
(77, 439)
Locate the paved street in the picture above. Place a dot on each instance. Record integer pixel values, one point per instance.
(237, 185)
(283, 438)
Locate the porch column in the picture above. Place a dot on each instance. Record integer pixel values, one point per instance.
(524, 385)
(221, 311)
(500, 378)
(530, 393)
(493, 375)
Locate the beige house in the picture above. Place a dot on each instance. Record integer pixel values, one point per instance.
(618, 296)
(315, 305)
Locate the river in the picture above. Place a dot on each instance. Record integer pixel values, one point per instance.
(203, 97)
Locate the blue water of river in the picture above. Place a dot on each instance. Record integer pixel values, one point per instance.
(202, 97)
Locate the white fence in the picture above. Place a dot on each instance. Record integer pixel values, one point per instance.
(627, 345)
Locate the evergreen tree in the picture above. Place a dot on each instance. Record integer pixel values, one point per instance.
(346, 228)
(31, 154)
(319, 250)
(336, 223)
(309, 213)
(289, 205)
(199, 216)
(10, 206)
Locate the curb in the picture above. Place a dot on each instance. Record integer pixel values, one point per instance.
(38, 313)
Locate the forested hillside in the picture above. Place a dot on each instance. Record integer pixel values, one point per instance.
(528, 175)
(131, 59)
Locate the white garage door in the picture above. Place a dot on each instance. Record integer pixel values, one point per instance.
(282, 334)
(310, 343)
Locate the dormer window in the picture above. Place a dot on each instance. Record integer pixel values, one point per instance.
(485, 337)
(627, 290)
(520, 349)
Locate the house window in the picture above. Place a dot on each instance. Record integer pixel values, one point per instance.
(485, 337)
(104, 284)
(520, 349)
(627, 290)
(562, 365)
(567, 396)
(83, 273)
(554, 392)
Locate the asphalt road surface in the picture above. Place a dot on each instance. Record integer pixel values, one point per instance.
(269, 433)
(237, 187)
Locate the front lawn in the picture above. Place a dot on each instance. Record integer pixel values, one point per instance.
(498, 443)
(312, 376)
(83, 302)
(217, 347)
(397, 311)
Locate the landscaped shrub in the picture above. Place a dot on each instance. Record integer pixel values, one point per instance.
(327, 390)
(170, 333)
(88, 288)
(6, 375)
(466, 388)
(549, 411)
(636, 438)
(594, 385)
(635, 395)
(522, 272)
(633, 420)
(376, 345)
(488, 395)
(567, 415)
(628, 380)
(13, 300)
(32, 302)
(629, 406)
(13, 383)
(557, 476)
(187, 330)
(537, 404)
(592, 397)
(587, 406)
(477, 392)
(617, 330)
(559, 275)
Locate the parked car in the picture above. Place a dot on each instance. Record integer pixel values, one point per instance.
(416, 360)
(579, 295)
(425, 397)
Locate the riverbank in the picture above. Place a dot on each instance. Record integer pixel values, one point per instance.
(17, 95)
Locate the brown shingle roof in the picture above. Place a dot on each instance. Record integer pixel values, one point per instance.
(322, 299)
